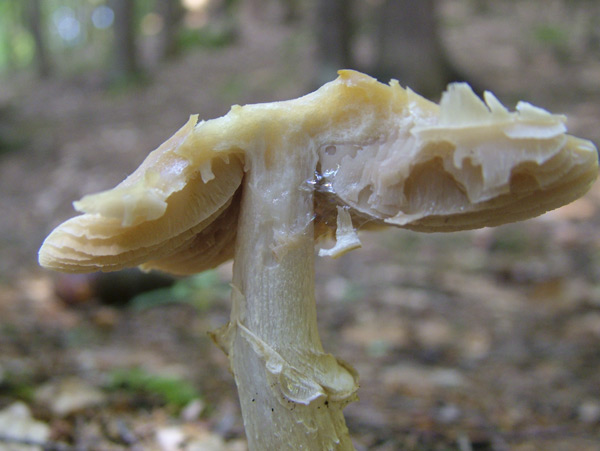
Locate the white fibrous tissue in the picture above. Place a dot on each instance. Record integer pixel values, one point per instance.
(346, 238)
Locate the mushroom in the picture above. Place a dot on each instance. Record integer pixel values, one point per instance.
(265, 181)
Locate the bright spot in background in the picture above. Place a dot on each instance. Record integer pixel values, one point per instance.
(196, 16)
(67, 25)
(103, 17)
(195, 4)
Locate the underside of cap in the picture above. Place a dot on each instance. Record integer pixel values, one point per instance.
(471, 164)
(209, 248)
(93, 242)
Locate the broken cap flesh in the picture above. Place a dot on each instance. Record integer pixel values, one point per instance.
(386, 156)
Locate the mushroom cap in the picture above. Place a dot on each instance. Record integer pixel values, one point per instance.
(466, 164)
(386, 154)
(159, 210)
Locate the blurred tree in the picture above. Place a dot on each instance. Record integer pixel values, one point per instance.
(125, 63)
(481, 6)
(224, 14)
(334, 35)
(36, 26)
(409, 46)
(171, 12)
(8, 58)
(275, 11)
(291, 11)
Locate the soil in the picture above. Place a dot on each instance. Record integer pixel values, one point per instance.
(482, 340)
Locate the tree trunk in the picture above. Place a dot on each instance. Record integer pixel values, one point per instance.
(291, 11)
(125, 64)
(291, 392)
(334, 38)
(36, 25)
(409, 46)
(172, 13)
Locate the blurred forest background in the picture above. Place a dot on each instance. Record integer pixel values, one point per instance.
(483, 340)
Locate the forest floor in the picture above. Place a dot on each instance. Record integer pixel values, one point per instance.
(483, 340)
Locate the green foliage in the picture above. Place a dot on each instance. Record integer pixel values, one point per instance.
(210, 37)
(172, 391)
(16, 43)
(124, 84)
(552, 35)
(75, 43)
(201, 291)
(12, 135)
(17, 385)
(510, 240)
(556, 38)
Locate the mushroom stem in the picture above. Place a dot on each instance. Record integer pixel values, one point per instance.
(291, 392)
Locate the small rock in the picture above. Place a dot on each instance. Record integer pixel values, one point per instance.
(69, 395)
(584, 326)
(237, 445)
(413, 300)
(336, 289)
(377, 333)
(447, 378)
(421, 379)
(589, 412)
(193, 410)
(475, 344)
(448, 414)
(207, 442)
(16, 422)
(37, 289)
(74, 289)
(174, 438)
(433, 333)
(106, 317)
(170, 438)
